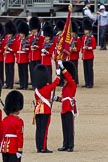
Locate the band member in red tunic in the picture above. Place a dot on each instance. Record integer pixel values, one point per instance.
(75, 45)
(88, 45)
(43, 106)
(36, 42)
(48, 48)
(9, 53)
(1, 54)
(22, 54)
(12, 128)
(68, 110)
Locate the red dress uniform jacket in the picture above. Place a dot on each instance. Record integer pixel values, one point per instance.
(21, 55)
(46, 93)
(74, 55)
(68, 90)
(9, 55)
(35, 54)
(12, 134)
(86, 53)
(46, 60)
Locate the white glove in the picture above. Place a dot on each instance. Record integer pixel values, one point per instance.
(58, 71)
(60, 64)
(43, 50)
(18, 155)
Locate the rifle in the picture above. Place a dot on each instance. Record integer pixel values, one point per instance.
(73, 44)
(9, 42)
(0, 93)
(1, 37)
(36, 39)
(47, 45)
(25, 43)
(88, 40)
(33, 122)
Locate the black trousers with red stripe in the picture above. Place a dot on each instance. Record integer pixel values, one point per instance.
(10, 157)
(9, 72)
(68, 129)
(42, 124)
(88, 72)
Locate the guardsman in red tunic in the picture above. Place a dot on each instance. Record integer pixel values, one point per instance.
(43, 105)
(36, 42)
(68, 110)
(88, 45)
(22, 54)
(9, 53)
(75, 46)
(12, 128)
(1, 54)
(48, 48)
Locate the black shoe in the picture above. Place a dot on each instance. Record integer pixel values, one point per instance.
(10, 87)
(46, 151)
(104, 48)
(89, 86)
(5, 87)
(62, 149)
(38, 150)
(84, 86)
(70, 150)
(24, 88)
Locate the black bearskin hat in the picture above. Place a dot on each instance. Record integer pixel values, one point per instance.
(1, 29)
(48, 31)
(10, 28)
(74, 25)
(17, 22)
(41, 76)
(60, 25)
(34, 23)
(46, 23)
(70, 67)
(23, 28)
(87, 2)
(14, 102)
(87, 24)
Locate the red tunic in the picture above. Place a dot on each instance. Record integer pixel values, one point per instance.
(9, 55)
(74, 55)
(12, 134)
(68, 90)
(86, 53)
(35, 54)
(46, 93)
(46, 60)
(21, 55)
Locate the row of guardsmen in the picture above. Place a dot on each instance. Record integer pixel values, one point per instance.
(26, 45)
